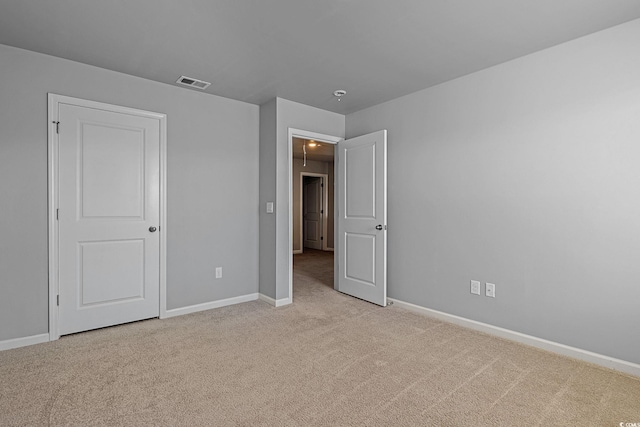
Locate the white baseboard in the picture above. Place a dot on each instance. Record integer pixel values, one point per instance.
(23, 342)
(209, 305)
(565, 350)
(329, 249)
(274, 302)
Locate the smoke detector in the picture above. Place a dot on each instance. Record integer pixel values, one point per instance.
(194, 83)
(339, 93)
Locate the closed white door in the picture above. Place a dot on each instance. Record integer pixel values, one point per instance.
(312, 212)
(362, 221)
(108, 219)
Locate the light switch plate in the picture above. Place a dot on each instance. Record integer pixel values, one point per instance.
(475, 287)
(269, 207)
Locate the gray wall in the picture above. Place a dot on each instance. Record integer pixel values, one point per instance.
(314, 166)
(526, 175)
(212, 208)
(268, 194)
(274, 272)
(331, 219)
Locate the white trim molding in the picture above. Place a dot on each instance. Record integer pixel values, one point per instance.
(562, 349)
(209, 305)
(23, 342)
(275, 302)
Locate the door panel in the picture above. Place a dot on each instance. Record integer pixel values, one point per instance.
(100, 283)
(360, 181)
(112, 173)
(360, 255)
(109, 170)
(362, 206)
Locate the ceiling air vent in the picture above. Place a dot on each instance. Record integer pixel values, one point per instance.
(195, 83)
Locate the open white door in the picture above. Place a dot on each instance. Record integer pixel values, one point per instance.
(109, 216)
(362, 217)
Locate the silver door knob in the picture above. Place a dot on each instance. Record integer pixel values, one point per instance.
(152, 229)
(379, 227)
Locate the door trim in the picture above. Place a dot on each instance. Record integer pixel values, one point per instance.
(328, 139)
(54, 102)
(325, 207)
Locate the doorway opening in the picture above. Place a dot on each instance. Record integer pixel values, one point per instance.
(315, 219)
(313, 166)
(360, 210)
(312, 204)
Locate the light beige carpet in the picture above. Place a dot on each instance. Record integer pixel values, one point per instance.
(328, 359)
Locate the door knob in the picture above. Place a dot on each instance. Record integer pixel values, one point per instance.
(379, 227)
(152, 229)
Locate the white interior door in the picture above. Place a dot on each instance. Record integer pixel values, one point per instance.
(362, 217)
(108, 219)
(312, 212)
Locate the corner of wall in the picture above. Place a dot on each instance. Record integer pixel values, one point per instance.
(267, 193)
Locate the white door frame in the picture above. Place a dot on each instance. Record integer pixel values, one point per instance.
(54, 102)
(325, 207)
(328, 139)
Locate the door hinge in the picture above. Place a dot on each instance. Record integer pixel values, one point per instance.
(321, 211)
(57, 126)
(58, 300)
(321, 238)
(57, 214)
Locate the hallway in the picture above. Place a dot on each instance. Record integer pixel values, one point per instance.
(312, 273)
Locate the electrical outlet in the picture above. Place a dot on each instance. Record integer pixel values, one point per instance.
(218, 272)
(475, 287)
(490, 290)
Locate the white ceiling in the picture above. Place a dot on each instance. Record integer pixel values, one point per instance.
(303, 50)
